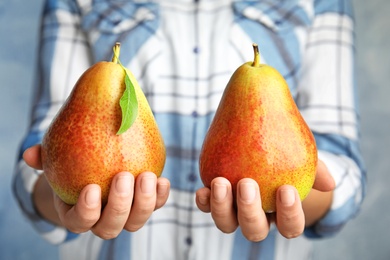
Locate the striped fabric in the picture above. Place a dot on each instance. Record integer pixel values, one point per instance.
(183, 52)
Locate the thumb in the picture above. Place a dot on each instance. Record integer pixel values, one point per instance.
(324, 180)
(32, 156)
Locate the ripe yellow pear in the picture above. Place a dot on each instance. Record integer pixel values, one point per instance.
(82, 146)
(258, 132)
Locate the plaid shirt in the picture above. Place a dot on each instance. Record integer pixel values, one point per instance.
(183, 53)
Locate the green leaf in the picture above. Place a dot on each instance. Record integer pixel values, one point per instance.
(128, 102)
(129, 106)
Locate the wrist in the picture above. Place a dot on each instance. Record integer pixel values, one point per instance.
(43, 200)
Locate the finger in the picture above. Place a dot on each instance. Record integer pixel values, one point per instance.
(221, 205)
(117, 209)
(324, 180)
(163, 187)
(203, 199)
(251, 216)
(32, 156)
(290, 218)
(144, 201)
(82, 216)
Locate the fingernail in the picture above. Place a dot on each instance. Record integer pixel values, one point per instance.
(92, 198)
(247, 192)
(219, 191)
(123, 185)
(148, 184)
(287, 197)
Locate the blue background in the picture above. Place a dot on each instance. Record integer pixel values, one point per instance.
(366, 237)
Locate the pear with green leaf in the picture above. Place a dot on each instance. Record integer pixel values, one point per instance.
(105, 126)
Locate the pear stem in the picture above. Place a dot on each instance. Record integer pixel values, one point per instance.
(117, 51)
(256, 59)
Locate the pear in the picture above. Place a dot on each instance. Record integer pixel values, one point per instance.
(258, 132)
(81, 145)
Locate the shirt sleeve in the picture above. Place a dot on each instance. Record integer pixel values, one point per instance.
(63, 56)
(327, 100)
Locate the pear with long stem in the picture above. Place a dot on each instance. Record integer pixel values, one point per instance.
(259, 133)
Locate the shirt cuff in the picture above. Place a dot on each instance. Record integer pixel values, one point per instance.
(24, 183)
(347, 196)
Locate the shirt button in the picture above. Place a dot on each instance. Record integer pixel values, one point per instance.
(192, 177)
(196, 50)
(189, 241)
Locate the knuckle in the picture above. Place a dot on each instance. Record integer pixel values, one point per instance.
(289, 217)
(249, 219)
(83, 225)
(76, 230)
(224, 219)
(227, 229)
(119, 210)
(290, 225)
(132, 227)
(219, 213)
(256, 237)
(292, 234)
(160, 202)
(105, 234)
(254, 226)
(138, 217)
(145, 209)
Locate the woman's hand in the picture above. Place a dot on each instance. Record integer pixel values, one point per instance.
(130, 202)
(290, 215)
